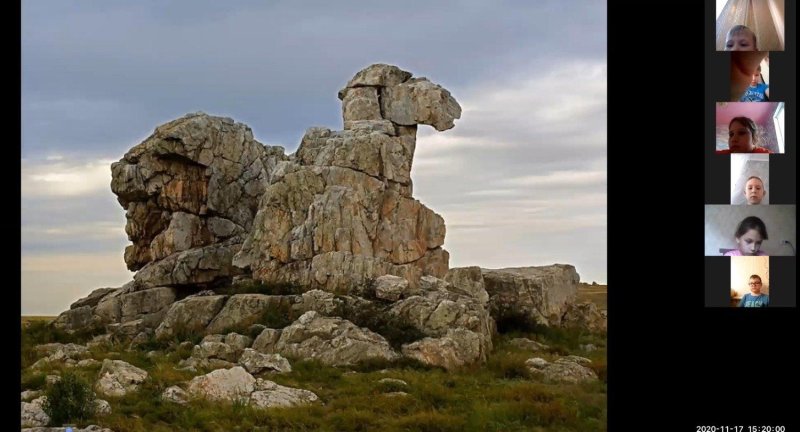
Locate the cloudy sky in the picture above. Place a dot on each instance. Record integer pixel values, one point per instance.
(520, 180)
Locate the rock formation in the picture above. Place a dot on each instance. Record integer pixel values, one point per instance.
(208, 207)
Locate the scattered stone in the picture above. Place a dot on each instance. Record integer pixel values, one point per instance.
(391, 288)
(569, 369)
(230, 385)
(458, 348)
(32, 413)
(271, 395)
(332, 341)
(118, 378)
(588, 347)
(102, 407)
(176, 395)
(191, 314)
(256, 362)
(584, 315)
(51, 379)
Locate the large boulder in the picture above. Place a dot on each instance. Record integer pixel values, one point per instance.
(190, 190)
(332, 341)
(468, 281)
(192, 314)
(271, 395)
(339, 213)
(570, 369)
(242, 310)
(118, 378)
(32, 413)
(537, 294)
(436, 313)
(93, 298)
(458, 347)
(75, 319)
(230, 385)
(584, 315)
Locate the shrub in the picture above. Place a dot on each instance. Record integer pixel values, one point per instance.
(395, 330)
(69, 400)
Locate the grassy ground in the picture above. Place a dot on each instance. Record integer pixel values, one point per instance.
(594, 293)
(497, 396)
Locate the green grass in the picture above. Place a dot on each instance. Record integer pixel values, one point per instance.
(497, 396)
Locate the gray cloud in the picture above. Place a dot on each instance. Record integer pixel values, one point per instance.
(519, 180)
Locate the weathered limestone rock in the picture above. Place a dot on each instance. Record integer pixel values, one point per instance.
(469, 281)
(228, 385)
(340, 214)
(459, 347)
(271, 395)
(570, 369)
(332, 341)
(584, 315)
(256, 362)
(217, 350)
(139, 303)
(59, 352)
(118, 378)
(437, 312)
(242, 310)
(32, 413)
(540, 294)
(92, 299)
(392, 288)
(190, 314)
(102, 407)
(75, 319)
(266, 340)
(239, 342)
(176, 395)
(419, 101)
(190, 190)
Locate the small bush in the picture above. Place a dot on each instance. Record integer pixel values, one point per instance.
(395, 330)
(33, 380)
(69, 400)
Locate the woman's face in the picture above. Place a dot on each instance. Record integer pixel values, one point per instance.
(740, 139)
(750, 242)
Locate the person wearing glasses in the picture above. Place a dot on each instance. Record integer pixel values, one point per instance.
(755, 298)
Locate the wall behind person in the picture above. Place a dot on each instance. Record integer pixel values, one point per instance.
(721, 222)
(744, 267)
(743, 166)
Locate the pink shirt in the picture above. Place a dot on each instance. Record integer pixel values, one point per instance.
(737, 252)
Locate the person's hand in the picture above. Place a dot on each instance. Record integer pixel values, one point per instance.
(744, 64)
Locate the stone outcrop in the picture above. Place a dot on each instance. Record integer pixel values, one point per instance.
(340, 213)
(539, 294)
(334, 226)
(236, 385)
(118, 378)
(242, 310)
(190, 190)
(584, 315)
(192, 314)
(458, 347)
(570, 369)
(332, 341)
